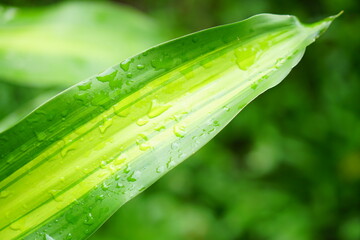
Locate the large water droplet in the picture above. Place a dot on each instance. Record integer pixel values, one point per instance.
(107, 76)
(157, 109)
(246, 57)
(125, 65)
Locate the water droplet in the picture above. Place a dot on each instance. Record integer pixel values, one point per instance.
(106, 124)
(129, 75)
(100, 197)
(160, 63)
(125, 65)
(254, 85)
(40, 136)
(170, 163)
(83, 96)
(104, 186)
(122, 112)
(69, 236)
(107, 76)
(54, 192)
(84, 86)
(134, 176)
(48, 237)
(160, 169)
(103, 164)
(179, 131)
(159, 128)
(195, 39)
(279, 62)
(18, 225)
(140, 66)
(229, 37)
(89, 220)
(157, 109)
(120, 185)
(246, 57)
(120, 159)
(64, 151)
(144, 146)
(142, 122)
(175, 146)
(227, 109)
(4, 194)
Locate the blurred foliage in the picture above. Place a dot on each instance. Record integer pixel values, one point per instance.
(288, 167)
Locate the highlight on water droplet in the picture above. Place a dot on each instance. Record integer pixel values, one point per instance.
(140, 66)
(69, 236)
(48, 237)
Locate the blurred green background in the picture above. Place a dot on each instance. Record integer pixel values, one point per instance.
(287, 168)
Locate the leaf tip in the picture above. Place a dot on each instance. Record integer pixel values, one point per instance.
(318, 28)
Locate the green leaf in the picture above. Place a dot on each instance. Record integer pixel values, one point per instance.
(75, 160)
(65, 43)
(24, 109)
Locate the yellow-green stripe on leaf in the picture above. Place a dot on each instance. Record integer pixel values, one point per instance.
(75, 160)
